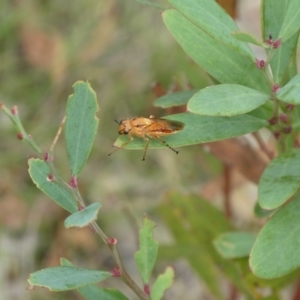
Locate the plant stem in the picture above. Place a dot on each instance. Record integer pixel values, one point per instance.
(13, 115)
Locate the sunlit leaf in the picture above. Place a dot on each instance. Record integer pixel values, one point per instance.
(214, 20)
(224, 63)
(226, 100)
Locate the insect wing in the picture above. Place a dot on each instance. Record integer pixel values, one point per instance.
(165, 127)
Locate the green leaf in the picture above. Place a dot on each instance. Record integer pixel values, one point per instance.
(263, 112)
(291, 23)
(66, 278)
(200, 129)
(279, 181)
(190, 218)
(226, 100)
(276, 250)
(233, 245)
(225, 64)
(273, 16)
(162, 283)
(262, 213)
(146, 256)
(84, 217)
(248, 38)
(174, 99)
(81, 125)
(92, 292)
(39, 171)
(290, 93)
(214, 20)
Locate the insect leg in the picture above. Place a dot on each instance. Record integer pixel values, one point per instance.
(124, 144)
(164, 142)
(146, 147)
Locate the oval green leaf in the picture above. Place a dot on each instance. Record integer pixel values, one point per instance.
(39, 171)
(226, 100)
(83, 217)
(233, 245)
(290, 93)
(291, 23)
(276, 250)
(174, 99)
(214, 20)
(66, 278)
(81, 125)
(220, 61)
(279, 181)
(146, 256)
(200, 129)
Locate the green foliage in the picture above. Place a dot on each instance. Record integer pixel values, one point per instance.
(291, 23)
(39, 172)
(195, 223)
(83, 217)
(66, 278)
(226, 100)
(81, 125)
(290, 92)
(273, 16)
(275, 252)
(234, 64)
(235, 244)
(280, 180)
(250, 95)
(92, 291)
(145, 258)
(248, 38)
(163, 282)
(174, 99)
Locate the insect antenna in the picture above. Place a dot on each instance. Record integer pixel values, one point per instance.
(164, 142)
(115, 150)
(117, 121)
(124, 144)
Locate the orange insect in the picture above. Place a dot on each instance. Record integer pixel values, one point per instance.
(148, 128)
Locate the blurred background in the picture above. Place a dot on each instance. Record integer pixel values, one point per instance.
(129, 57)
